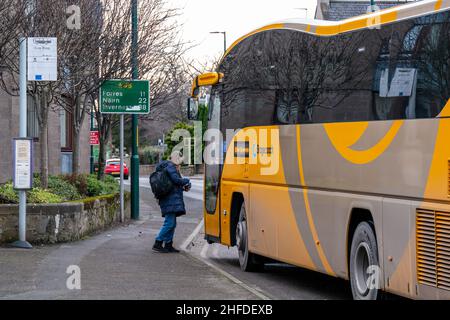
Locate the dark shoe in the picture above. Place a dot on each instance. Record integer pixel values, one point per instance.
(169, 247)
(158, 247)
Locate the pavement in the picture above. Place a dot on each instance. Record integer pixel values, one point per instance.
(119, 263)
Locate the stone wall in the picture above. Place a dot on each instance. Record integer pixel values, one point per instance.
(186, 171)
(53, 223)
(146, 170)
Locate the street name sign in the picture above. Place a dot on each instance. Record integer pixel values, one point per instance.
(125, 97)
(42, 59)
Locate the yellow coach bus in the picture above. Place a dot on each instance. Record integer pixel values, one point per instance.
(339, 161)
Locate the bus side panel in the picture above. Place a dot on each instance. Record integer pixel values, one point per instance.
(280, 227)
(274, 230)
(422, 291)
(383, 157)
(400, 249)
(398, 245)
(327, 225)
(228, 188)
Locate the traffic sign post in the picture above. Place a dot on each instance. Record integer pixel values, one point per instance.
(124, 97)
(122, 212)
(134, 118)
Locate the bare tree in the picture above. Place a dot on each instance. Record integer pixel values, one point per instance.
(159, 55)
(38, 19)
(79, 69)
(12, 16)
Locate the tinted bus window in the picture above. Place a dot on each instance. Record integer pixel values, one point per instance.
(399, 71)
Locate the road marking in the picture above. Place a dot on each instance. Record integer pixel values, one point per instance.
(216, 251)
(193, 195)
(189, 240)
(203, 258)
(204, 250)
(229, 276)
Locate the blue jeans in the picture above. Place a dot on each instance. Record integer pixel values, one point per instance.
(168, 229)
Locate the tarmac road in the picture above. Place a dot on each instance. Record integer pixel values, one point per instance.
(277, 281)
(119, 264)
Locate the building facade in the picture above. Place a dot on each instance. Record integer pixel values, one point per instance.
(59, 138)
(335, 10)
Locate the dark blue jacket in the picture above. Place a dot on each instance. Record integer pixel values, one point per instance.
(173, 202)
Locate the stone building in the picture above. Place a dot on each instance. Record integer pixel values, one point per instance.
(59, 138)
(60, 141)
(335, 10)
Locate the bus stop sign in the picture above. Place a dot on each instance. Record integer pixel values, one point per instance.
(125, 97)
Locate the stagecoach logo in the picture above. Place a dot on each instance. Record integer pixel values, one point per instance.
(42, 41)
(241, 149)
(264, 151)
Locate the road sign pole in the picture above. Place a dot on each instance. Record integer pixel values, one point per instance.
(128, 97)
(134, 123)
(122, 213)
(22, 243)
(91, 161)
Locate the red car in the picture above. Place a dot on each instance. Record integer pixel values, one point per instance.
(113, 168)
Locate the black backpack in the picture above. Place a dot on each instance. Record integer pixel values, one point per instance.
(161, 183)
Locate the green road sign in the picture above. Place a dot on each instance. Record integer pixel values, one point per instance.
(96, 153)
(125, 97)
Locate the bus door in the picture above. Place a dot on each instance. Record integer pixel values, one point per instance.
(213, 169)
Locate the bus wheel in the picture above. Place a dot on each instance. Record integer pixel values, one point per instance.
(247, 260)
(364, 266)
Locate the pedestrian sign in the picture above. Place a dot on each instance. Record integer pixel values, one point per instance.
(125, 97)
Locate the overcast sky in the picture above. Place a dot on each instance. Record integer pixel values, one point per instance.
(236, 17)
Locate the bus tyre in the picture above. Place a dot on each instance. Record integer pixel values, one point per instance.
(364, 266)
(248, 261)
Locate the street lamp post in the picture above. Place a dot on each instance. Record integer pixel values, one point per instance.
(134, 130)
(224, 39)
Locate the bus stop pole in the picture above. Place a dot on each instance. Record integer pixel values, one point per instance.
(122, 214)
(22, 243)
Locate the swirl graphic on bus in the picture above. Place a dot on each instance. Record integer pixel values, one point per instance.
(345, 135)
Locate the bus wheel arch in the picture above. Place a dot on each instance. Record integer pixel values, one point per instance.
(238, 224)
(362, 254)
(237, 200)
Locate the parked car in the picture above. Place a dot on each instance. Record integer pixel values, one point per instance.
(112, 167)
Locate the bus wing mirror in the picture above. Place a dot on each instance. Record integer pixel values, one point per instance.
(196, 92)
(192, 108)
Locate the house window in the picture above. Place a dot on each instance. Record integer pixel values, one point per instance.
(32, 119)
(65, 121)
